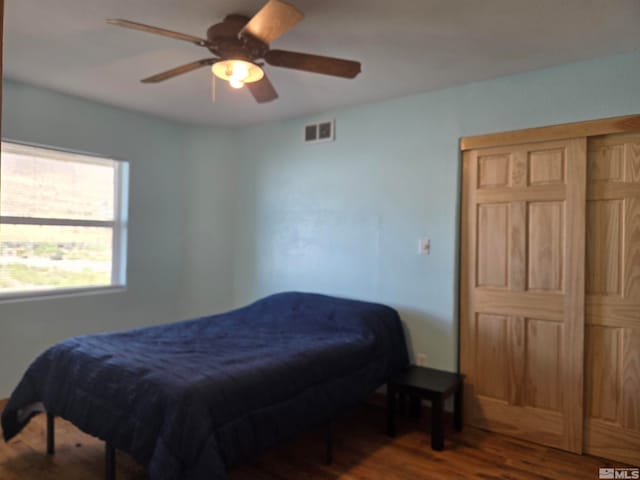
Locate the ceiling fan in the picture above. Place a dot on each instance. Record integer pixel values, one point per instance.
(240, 43)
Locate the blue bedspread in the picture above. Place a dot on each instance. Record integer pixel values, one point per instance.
(191, 399)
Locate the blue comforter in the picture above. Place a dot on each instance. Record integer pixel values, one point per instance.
(191, 399)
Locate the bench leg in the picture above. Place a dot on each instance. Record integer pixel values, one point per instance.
(391, 411)
(110, 462)
(51, 447)
(437, 424)
(416, 406)
(457, 410)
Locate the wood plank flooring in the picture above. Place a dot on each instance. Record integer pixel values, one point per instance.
(361, 451)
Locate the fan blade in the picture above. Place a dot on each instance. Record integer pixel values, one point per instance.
(262, 90)
(313, 63)
(158, 31)
(274, 19)
(174, 72)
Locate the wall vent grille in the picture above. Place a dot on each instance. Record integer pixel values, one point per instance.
(320, 132)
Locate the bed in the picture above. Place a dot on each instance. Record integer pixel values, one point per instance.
(192, 399)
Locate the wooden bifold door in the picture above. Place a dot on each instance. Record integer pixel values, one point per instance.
(550, 290)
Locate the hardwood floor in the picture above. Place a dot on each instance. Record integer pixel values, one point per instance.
(361, 451)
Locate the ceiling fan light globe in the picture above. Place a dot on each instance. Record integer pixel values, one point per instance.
(235, 83)
(239, 70)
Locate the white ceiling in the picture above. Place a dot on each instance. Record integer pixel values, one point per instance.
(405, 46)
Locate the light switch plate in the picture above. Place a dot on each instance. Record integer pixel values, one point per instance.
(424, 246)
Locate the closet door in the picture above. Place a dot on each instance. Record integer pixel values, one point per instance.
(612, 349)
(522, 290)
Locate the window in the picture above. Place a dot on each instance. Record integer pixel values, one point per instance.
(63, 221)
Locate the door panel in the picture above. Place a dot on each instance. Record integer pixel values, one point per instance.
(602, 372)
(492, 332)
(546, 238)
(546, 166)
(612, 352)
(493, 242)
(493, 170)
(522, 290)
(604, 247)
(543, 385)
(631, 382)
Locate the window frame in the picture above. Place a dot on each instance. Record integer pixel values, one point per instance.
(119, 225)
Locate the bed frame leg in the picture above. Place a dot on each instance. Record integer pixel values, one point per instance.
(51, 446)
(110, 462)
(329, 445)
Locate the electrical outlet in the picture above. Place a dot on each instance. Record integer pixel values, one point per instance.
(421, 360)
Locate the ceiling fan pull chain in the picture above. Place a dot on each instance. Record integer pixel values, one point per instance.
(213, 89)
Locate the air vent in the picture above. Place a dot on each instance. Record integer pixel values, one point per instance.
(320, 132)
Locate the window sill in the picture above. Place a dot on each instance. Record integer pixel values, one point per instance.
(59, 293)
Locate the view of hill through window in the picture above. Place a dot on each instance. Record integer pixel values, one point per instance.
(66, 240)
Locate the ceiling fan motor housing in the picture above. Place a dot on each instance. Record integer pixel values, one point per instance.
(224, 40)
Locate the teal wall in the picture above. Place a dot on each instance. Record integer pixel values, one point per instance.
(210, 228)
(221, 217)
(162, 171)
(344, 218)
